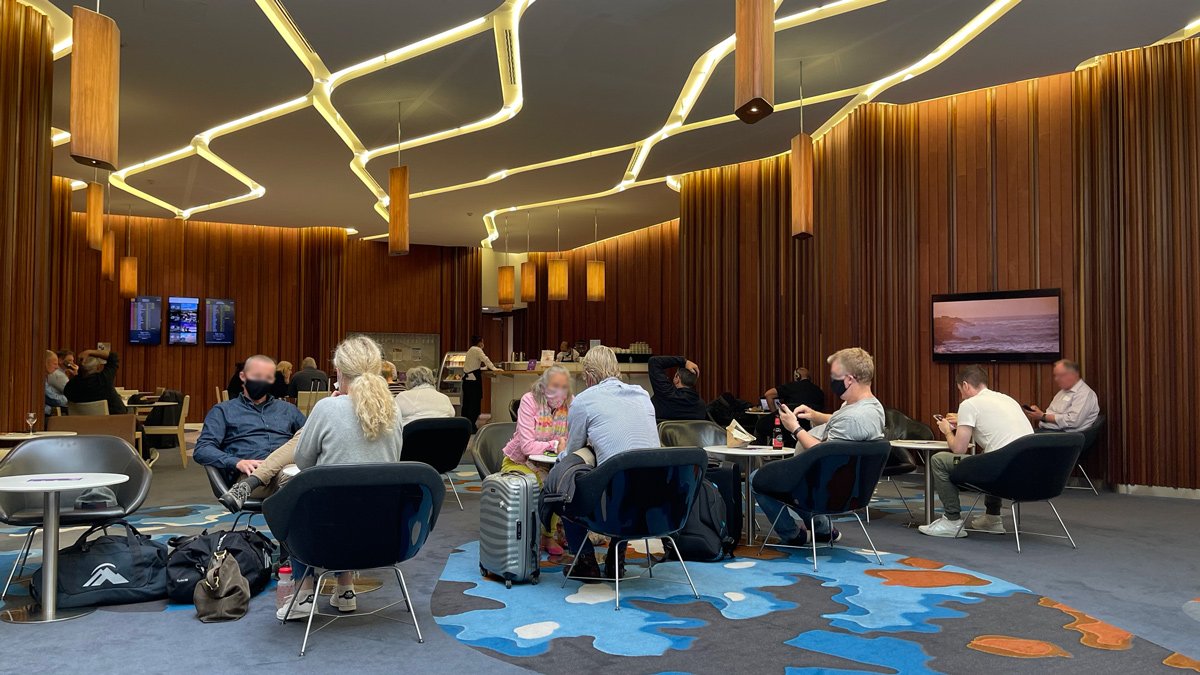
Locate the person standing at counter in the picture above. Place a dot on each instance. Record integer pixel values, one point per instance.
(474, 364)
(566, 354)
(676, 398)
(541, 428)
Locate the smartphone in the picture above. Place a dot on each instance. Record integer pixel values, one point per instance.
(1028, 407)
(762, 403)
(939, 418)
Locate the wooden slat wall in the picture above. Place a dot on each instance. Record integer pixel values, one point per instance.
(298, 291)
(741, 274)
(1137, 118)
(25, 161)
(641, 296)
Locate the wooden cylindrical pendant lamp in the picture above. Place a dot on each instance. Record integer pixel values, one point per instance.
(108, 257)
(595, 281)
(398, 210)
(95, 88)
(528, 270)
(801, 169)
(129, 277)
(95, 216)
(556, 279)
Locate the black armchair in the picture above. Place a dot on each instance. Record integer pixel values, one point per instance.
(1091, 436)
(438, 442)
(690, 433)
(829, 479)
(219, 483)
(898, 426)
(513, 406)
(349, 517)
(488, 450)
(56, 454)
(639, 494)
(1033, 468)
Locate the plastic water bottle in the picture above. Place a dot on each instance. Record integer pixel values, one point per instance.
(777, 435)
(285, 587)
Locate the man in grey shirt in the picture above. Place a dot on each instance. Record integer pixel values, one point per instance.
(860, 418)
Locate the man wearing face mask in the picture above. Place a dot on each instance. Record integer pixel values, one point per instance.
(860, 418)
(241, 432)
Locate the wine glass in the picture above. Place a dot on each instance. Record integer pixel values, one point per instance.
(30, 419)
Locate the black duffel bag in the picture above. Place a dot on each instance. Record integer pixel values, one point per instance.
(109, 570)
(191, 555)
(714, 525)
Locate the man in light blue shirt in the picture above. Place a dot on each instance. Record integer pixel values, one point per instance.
(611, 417)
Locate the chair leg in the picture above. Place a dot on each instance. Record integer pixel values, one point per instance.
(408, 602)
(1016, 508)
(616, 553)
(869, 541)
(964, 517)
(20, 560)
(571, 568)
(1064, 525)
(453, 489)
(1088, 479)
(649, 559)
(770, 531)
(312, 610)
(812, 535)
(685, 569)
(182, 448)
(902, 500)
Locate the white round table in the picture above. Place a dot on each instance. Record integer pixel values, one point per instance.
(151, 404)
(544, 459)
(751, 455)
(927, 449)
(50, 485)
(22, 436)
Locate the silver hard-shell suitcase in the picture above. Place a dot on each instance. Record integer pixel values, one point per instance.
(509, 531)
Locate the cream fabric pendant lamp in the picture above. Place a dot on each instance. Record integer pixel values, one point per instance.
(556, 268)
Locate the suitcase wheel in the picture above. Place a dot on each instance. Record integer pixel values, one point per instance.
(482, 572)
(533, 580)
(508, 583)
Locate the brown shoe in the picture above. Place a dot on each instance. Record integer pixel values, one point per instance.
(586, 569)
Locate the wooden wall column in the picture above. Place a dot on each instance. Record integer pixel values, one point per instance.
(26, 73)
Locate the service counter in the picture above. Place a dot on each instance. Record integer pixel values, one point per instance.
(507, 385)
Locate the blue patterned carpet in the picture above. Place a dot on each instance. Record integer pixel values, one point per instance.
(908, 616)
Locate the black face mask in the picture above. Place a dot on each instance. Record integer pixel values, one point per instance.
(839, 387)
(256, 389)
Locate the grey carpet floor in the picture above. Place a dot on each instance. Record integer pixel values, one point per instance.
(1138, 563)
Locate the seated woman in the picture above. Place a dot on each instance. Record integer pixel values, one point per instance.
(541, 428)
(358, 424)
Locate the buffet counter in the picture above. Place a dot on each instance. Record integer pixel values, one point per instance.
(507, 385)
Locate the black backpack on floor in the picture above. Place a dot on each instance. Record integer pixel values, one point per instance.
(709, 535)
(191, 556)
(112, 569)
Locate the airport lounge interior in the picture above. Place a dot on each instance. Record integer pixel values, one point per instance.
(642, 336)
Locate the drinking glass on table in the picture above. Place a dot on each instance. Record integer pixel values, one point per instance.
(31, 420)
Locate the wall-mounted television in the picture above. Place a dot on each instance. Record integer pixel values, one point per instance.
(998, 326)
(218, 321)
(145, 320)
(182, 323)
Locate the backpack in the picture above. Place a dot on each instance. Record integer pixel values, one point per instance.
(705, 537)
(193, 555)
(109, 570)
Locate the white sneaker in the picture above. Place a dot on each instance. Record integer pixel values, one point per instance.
(344, 599)
(943, 528)
(987, 523)
(300, 610)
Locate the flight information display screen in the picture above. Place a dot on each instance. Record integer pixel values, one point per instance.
(182, 322)
(218, 321)
(145, 320)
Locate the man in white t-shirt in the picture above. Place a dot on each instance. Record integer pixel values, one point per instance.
(989, 419)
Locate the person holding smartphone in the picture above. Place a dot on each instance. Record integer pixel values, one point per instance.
(860, 418)
(989, 419)
(96, 380)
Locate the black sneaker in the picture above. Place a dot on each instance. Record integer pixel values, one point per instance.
(235, 497)
(832, 537)
(586, 569)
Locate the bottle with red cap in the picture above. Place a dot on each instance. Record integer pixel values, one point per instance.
(777, 435)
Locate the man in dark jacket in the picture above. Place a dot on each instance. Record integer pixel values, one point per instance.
(675, 398)
(800, 392)
(308, 376)
(98, 372)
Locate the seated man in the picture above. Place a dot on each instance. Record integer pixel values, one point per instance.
(1075, 406)
(992, 420)
(860, 418)
(610, 417)
(422, 400)
(310, 378)
(95, 380)
(799, 392)
(53, 391)
(675, 398)
(240, 433)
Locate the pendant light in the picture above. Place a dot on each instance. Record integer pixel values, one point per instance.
(398, 201)
(129, 267)
(505, 277)
(595, 268)
(108, 253)
(754, 59)
(556, 268)
(95, 215)
(95, 88)
(528, 270)
(801, 171)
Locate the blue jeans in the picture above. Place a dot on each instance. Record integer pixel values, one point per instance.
(785, 526)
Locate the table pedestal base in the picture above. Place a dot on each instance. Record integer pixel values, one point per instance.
(33, 614)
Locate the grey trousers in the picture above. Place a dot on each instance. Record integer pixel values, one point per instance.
(941, 465)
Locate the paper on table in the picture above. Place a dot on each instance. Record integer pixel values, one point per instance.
(736, 436)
